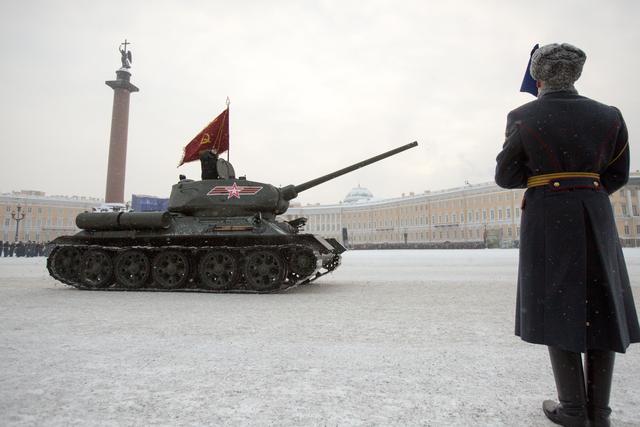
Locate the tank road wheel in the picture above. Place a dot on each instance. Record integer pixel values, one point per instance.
(170, 269)
(65, 264)
(132, 269)
(217, 270)
(303, 262)
(264, 270)
(96, 269)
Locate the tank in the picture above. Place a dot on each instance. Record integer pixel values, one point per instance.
(217, 235)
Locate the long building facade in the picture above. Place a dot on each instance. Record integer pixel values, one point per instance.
(478, 215)
(43, 217)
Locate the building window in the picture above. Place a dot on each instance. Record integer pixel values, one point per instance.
(626, 230)
(635, 210)
(492, 215)
(500, 214)
(624, 210)
(517, 213)
(638, 229)
(508, 212)
(509, 232)
(484, 215)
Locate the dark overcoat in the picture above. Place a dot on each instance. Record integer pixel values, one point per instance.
(573, 286)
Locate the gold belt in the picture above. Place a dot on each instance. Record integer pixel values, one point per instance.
(539, 180)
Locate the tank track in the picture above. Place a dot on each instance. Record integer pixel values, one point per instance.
(214, 269)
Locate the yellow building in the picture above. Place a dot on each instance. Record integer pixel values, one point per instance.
(44, 217)
(475, 215)
(469, 216)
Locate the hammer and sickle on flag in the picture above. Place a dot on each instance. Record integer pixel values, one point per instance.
(215, 136)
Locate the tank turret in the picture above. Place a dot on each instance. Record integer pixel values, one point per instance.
(231, 196)
(218, 235)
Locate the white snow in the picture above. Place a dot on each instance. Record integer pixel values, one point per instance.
(391, 338)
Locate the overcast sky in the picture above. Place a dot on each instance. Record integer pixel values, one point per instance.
(314, 86)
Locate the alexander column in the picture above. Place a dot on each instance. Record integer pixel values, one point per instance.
(122, 88)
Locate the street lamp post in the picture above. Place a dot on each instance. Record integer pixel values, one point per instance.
(17, 217)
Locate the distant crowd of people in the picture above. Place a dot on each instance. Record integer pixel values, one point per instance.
(22, 249)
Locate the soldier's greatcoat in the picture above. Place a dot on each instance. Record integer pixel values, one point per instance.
(573, 286)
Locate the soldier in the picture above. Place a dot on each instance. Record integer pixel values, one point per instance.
(1, 247)
(12, 248)
(209, 164)
(20, 249)
(574, 296)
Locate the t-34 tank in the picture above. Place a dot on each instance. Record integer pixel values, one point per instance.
(218, 235)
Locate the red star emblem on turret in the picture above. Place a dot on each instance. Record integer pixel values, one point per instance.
(234, 192)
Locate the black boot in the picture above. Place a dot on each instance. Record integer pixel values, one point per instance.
(569, 376)
(599, 370)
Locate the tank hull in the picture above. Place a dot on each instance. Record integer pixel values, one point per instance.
(234, 255)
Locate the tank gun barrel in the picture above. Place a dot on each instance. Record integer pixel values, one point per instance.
(309, 184)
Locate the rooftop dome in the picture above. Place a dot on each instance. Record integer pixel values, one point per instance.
(358, 194)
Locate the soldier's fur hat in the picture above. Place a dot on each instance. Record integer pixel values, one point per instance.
(558, 65)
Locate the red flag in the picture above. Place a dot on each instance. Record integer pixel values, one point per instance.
(215, 136)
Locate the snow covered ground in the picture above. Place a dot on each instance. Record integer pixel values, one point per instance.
(391, 338)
